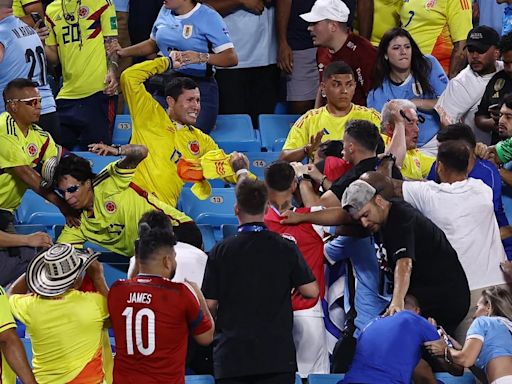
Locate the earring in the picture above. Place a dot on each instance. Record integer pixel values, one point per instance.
(323, 94)
(350, 150)
(386, 57)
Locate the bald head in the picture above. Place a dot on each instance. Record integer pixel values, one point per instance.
(381, 183)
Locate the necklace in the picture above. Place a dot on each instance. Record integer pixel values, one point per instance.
(70, 16)
(72, 20)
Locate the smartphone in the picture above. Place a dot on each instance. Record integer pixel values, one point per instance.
(36, 18)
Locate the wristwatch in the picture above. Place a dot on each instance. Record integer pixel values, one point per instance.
(390, 157)
(302, 178)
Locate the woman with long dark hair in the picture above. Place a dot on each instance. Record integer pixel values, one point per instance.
(403, 72)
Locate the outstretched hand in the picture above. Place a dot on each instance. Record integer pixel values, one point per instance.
(290, 217)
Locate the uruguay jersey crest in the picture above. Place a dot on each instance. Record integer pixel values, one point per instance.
(187, 31)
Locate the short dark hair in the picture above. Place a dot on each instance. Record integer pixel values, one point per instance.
(507, 100)
(279, 175)
(506, 43)
(457, 131)
(177, 85)
(189, 233)
(74, 166)
(364, 132)
(337, 68)
(251, 196)
(454, 154)
(155, 232)
(19, 83)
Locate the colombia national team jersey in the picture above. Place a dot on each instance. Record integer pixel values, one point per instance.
(78, 29)
(167, 142)
(152, 318)
(17, 150)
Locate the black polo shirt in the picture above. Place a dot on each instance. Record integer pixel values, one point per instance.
(251, 275)
(366, 165)
(437, 280)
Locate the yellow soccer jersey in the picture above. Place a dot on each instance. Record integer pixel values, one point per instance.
(118, 206)
(7, 376)
(385, 17)
(17, 6)
(66, 332)
(17, 150)
(416, 165)
(319, 119)
(436, 24)
(78, 33)
(167, 142)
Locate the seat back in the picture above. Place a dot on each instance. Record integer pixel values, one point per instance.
(274, 127)
(258, 161)
(97, 162)
(318, 378)
(34, 209)
(122, 132)
(216, 210)
(235, 133)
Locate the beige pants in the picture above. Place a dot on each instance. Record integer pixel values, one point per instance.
(462, 329)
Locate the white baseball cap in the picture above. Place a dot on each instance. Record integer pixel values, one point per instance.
(335, 10)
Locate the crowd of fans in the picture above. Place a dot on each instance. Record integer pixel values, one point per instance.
(383, 215)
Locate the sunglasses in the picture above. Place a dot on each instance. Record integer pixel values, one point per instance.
(71, 189)
(31, 101)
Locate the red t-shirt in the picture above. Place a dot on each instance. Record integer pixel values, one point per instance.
(311, 246)
(152, 318)
(334, 167)
(360, 55)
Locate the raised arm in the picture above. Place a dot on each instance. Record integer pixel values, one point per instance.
(457, 59)
(133, 153)
(112, 66)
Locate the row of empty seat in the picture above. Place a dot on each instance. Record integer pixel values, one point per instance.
(231, 132)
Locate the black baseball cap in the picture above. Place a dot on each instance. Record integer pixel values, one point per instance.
(482, 38)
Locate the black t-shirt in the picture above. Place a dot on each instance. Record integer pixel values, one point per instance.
(251, 275)
(437, 275)
(297, 32)
(366, 165)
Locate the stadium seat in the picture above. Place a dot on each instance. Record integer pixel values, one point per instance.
(235, 133)
(27, 344)
(215, 210)
(97, 162)
(280, 108)
(274, 127)
(446, 378)
(298, 380)
(36, 210)
(27, 229)
(122, 129)
(229, 230)
(199, 379)
(258, 161)
(317, 378)
(208, 236)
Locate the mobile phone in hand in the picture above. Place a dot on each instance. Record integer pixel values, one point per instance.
(36, 18)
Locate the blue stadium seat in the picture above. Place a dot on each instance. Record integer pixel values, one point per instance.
(258, 161)
(112, 274)
(446, 378)
(229, 230)
(27, 344)
(36, 210)
(317, 378)
(208, 236)
(235, 133)
(274, 127)
(97, 162)
(298, 380)
(199, 379)
(122, 129)
(27, 229)
(281, 108)
(215, 210)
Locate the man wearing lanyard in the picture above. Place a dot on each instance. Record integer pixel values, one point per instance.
(247, 284)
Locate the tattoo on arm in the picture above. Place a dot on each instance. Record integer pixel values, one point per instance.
(112, 57)
(134, 155)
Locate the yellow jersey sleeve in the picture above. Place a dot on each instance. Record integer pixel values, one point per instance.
(120, 177)
(73, 236)
(459, 19)
(19, 307)
(298, 135)
(426, 162)
(141, 104)
(375, 117)
(207, 143)
(6, 319)
(108, 20)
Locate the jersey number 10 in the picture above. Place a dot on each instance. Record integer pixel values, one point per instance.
(139, 315)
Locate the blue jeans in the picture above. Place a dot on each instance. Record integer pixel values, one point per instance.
(209, 103)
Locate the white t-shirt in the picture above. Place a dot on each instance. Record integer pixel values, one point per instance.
(464, 212)
(191, 263)
(462, 96)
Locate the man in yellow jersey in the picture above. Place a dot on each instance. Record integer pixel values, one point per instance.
(439, 27)
(385, 16)
(400, 136)
(23, 147)
(66, 326)
(328, 122)
(12, 351)
(23, 8)
(169, 135)
(80, 34)
(111, 203)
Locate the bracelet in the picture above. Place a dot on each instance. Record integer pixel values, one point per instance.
(240, 172)
(446, 355)
(302, 178)
(204, 58)
(118, 147)
(115, 63)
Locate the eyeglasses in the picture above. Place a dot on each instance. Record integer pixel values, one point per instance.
(71, 189)
(31, 101)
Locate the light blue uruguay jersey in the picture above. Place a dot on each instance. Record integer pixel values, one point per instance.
(200, 30)
(24, 57)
